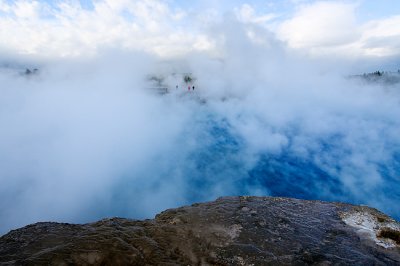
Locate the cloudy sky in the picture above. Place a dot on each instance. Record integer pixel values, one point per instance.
(54, 28)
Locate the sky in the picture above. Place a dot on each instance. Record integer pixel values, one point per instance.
(53, 28)
(275, 110)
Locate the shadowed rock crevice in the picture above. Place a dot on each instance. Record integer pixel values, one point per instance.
(228, 231)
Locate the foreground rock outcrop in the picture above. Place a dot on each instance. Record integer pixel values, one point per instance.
(228, 231)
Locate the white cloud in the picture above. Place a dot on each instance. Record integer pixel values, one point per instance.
(247, 14)
(381, 37)
(320, 25)
(331, 28)
(4, 7)
(26, 10)
(148, 25)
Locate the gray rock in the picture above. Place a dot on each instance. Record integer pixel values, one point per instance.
(228, 231)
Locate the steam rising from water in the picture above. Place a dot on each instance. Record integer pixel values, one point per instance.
(83, 140)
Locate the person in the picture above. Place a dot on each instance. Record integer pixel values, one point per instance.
(193, 87)
(176, 86)
(188, 88)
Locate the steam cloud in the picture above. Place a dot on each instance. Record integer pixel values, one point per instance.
(84, 139)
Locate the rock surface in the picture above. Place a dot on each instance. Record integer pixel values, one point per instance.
(228, 231)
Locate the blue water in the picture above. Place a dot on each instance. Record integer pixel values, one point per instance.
(211, 159)
(223, 160)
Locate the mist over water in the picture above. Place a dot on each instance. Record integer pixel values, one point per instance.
(87, 139)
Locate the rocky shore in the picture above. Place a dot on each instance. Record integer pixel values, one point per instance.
(228, 231)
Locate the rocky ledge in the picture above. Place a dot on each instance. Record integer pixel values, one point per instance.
(228, 231)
